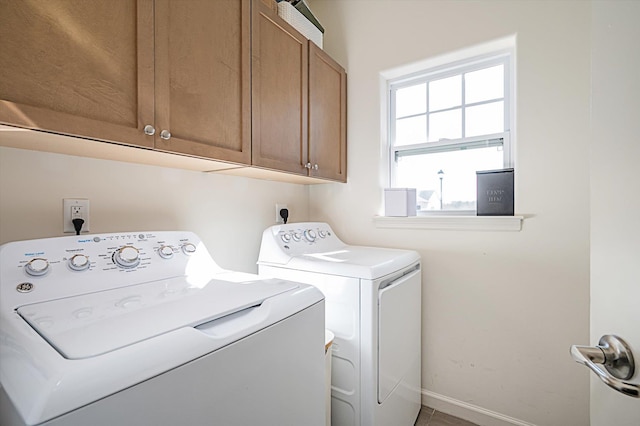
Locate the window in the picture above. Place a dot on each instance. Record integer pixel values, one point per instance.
(445, 124)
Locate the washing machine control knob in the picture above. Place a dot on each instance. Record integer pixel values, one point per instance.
(37, 267)
(79, 262)
(310, 235)
(165, 252)
(322, 233)
(127, 257)
(297, 236)
(188, 249)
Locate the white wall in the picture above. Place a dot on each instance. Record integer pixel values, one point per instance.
(500, 309)
(229, 213)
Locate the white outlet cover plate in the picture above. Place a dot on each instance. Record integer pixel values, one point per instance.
(67, 203)
(278, 208)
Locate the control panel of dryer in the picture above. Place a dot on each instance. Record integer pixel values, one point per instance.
(281, 242)
(50, 268)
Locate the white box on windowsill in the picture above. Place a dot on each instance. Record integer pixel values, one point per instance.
(400, 202)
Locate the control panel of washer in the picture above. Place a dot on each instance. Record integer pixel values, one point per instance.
(65, 266)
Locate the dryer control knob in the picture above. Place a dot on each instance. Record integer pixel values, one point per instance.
(165, 252)
(188, 249)
(37, 267)
(310, 235)
(127, 257)
(79, 262)
(286, 238)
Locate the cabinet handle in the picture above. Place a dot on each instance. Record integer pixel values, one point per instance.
(309, 166)
(149, 130)
(165, 134)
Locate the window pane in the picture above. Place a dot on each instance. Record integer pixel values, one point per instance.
(458, 177)
(411, 130)
(445, 125)
(484, 119)
(411, 100)
(445, 93)
(484, 85)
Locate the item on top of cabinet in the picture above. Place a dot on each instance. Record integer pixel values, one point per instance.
(297, 20)
(400, 202)
(495, 192)
(303, 8)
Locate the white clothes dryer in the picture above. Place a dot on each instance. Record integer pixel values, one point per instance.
(373, 306)
(145, 328)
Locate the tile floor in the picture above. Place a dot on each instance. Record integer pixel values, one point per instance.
(430, 417)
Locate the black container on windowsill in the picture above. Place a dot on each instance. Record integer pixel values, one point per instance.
(495, 192)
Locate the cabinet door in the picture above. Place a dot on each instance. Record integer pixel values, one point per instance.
(279, 93)
(327, 116)
(203, 78)
(78, 67)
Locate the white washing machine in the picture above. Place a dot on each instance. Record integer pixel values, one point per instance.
(145, 329)
(373, 306)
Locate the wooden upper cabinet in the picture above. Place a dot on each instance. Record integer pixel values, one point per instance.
(279, 93)
(203, 77)
(108, 69)
(225, 80)
(78, 67)
(327, 116)
(299, 102)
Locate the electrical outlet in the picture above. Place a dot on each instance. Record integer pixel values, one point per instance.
(278, 208)
(77, 212)
(75, 208)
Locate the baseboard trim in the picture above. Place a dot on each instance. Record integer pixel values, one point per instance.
(469, 412)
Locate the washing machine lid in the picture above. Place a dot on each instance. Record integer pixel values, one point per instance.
(93, 324)
(355, 261)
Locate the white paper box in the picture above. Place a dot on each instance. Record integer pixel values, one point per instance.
(400, 202)
(300, 23)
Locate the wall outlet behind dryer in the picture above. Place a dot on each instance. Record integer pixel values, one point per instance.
(279, 207)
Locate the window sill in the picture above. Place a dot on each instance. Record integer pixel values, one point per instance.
(454, 223)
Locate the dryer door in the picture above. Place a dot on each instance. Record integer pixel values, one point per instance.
(399, 325)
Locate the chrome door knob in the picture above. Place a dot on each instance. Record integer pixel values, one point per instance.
(165, 134)
(149, 130)
(617, 358)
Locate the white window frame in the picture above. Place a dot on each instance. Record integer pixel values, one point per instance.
(464, 63)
